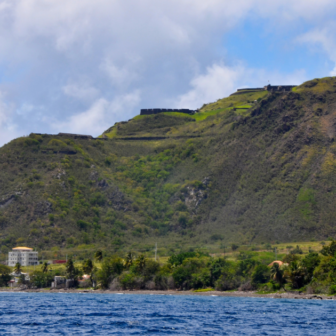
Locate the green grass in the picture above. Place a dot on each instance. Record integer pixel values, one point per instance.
(200, 116)
(203, 290)
(174, 114)
(235, 101)
(243, 106)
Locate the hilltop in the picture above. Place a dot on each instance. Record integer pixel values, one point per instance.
(250, 168)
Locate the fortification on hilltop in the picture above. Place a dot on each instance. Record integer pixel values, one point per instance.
(269, 87)
(161, 110)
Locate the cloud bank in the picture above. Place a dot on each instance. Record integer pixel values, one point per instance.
(81, 65)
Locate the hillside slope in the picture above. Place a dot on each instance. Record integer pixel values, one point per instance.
(254, 167)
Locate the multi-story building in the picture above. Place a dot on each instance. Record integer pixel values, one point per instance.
(23, 255)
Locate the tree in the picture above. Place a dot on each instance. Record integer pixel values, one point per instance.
(99, 255)
(277, 274)
(110, 268)
(260, 274)
(70, 269)
(45, 267)
(4, 275)
(329, 250)
(22, 279)
(310, 262)
(216, 269)
(141, 262)
(130, 257)
(297, 250)
(17, 268)
(40, 279)
(295, 272)
(234, 247)
(88, 266)
(289, 258)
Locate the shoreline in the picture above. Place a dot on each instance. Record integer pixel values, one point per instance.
(281, 295)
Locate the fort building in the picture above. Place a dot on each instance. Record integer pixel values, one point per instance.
(25, 256)
(269, 87)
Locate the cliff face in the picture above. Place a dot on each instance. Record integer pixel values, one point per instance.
(252, 167)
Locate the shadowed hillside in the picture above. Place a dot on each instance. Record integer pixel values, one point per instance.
(253, 167)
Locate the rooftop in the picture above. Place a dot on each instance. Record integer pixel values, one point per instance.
(22, 248)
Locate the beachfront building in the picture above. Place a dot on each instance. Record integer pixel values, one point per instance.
(23, 255)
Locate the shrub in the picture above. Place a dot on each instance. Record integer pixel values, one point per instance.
(57, 143)
(234, 247)
(98, 199)
(83, 225)
(128, 281)
(297, 250)
(260, 274)
(216, 237)
(111, 268)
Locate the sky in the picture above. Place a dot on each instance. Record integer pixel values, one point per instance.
(79, 66)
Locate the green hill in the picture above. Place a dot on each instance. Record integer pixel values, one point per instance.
(251, 168)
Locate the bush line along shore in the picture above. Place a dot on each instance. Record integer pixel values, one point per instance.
(296, 275)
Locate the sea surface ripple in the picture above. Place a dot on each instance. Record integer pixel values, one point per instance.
(112, 314)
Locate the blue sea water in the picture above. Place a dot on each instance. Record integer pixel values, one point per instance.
(113, 314)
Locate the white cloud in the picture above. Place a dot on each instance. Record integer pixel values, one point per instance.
(120, 76)
(99, 116)
(80, 91)
(220, 80)
(7, 128)
(322, 38)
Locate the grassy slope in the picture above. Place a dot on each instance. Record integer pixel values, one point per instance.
(271, 168)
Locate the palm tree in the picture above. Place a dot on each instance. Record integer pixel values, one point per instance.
(296, 274)
(99, 255)
(17, 268)
(141, 262)
(277, 274)
(45, 267)
(129, 259)
(88, 266)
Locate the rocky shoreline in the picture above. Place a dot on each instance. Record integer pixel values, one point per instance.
(279, 295)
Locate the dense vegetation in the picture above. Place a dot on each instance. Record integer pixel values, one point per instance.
(312, 273)
(250, 168)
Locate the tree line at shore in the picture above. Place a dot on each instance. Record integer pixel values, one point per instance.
(313, 273)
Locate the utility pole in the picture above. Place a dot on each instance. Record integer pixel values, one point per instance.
(275, 253)
(155, 250)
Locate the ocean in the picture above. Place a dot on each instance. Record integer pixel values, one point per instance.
(123, 314)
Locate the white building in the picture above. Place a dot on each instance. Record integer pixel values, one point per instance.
(23, 255)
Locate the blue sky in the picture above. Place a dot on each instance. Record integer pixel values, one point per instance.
(82, 65)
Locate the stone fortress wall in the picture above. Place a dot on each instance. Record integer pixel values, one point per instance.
(271, 88)
(160, 110)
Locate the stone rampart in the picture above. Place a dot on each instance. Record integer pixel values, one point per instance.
(75, 136)
(269, 87)
(279, 88)
(161, 110)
